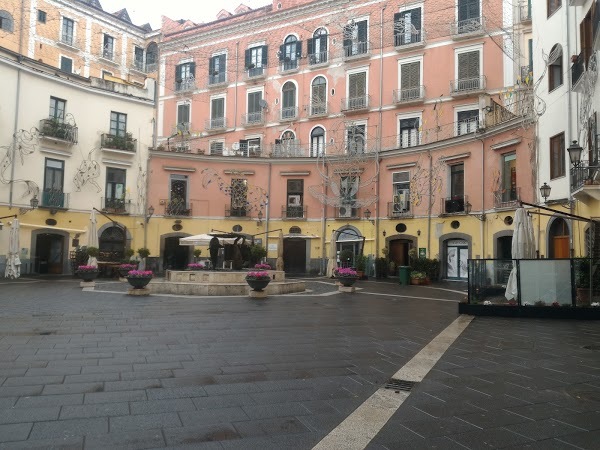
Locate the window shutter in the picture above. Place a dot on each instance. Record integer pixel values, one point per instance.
(211, 66)
(222, 63)
(299, 49)
(416, 18)
(310, 46)
(193, 69)
(357, 85)
(347, 36)
(323, 42)
(247, 58)
(178, 73)
(397, 18)
(281, 52)
(264, 55)
(362, 31)
(410, 75)
(468, 65)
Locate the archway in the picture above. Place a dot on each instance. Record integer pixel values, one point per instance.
(173, 255)
(559, 239)
(350, 238)
(456, 250)
(51, 251)
(112, 242)
(503, 244)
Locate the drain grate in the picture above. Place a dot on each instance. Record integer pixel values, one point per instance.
(400, 385)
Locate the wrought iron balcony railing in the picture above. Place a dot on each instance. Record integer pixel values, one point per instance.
(454, 204)
(467, 85)
(107, 52)
(316, 109)
(359, 103)
(585, 175)
(466, 126)
(116, 205)
(218, 123)
(318, 58)
(467, 27)
(253, 118)
(526, 75)
(54, 199)
(399, 208)
(357, 49)
(58, 129)
(253, 72)
(178, 207)
(577, 69)
(185, 84)
(409, 39)
(216, 79)
(507, 198)
(118, 142)
(294, 212)
(288, 113)
(236, 212)
(289, 65)
(287, 148)
(409, 94)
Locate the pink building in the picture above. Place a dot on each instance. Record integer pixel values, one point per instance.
(367, 127)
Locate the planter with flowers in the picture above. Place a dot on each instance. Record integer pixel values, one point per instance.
(258, 280)
(139, 278)
(262, 266)
(87, 273)
(195, 266)
(346, 276)
(124, 269)
(417, 278)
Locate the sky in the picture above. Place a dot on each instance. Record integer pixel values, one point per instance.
(143, 11)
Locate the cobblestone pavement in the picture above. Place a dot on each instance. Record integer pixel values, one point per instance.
(100, 369)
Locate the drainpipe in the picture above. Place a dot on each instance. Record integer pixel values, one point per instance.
(324, 228)
(267, 207)
(429, 205)
(235, 97)
(570, 125)
(482, 222)
(379, 131)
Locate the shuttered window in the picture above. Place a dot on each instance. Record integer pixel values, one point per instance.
(468, 65)
(217, 108)
(216, 148)
(183, 113)
(410, 75)
(557, 156)
(357, 85)
(217, 68)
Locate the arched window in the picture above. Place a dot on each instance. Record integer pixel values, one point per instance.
(288, 103)
(317, 142)
(112, 244)
(318, 97)
(289, 53)
(317, 47)
(288, 135)
(555, 68)
(6, 21)
(151, 57)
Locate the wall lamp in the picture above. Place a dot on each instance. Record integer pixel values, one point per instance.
(468, 208)
(545, 191)
(367, 215)
(260, 218)
(575, 151)
(150, 213)
(14, 216)
(33, 203)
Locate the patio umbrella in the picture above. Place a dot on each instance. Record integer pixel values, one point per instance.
(332, 261)
(523, 247)
(13, 262)
(279, 265)
(93, 237)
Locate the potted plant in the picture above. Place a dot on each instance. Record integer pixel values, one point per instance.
(346, 257)
(262, 266)
(346, 276)
(139, 278)
(128, 254)
(361, 265)
(87, 273)
(93, 252)
(143, 254)
(195, 266)
(417, 278)
(197, 253)
(125, 268)
(257, 252)
(258, 280)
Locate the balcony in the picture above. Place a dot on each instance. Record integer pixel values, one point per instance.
(139, 66)
(526, 75)
(181, 128)
(357, 50)
(58, 130)
(356, 104)
(116, 205)
(287, 148)
(345, 212)
(178, 208)
(409, 95)
(468, 28)
(288, 113)
(216, 124)
(54, 199)
(289, 65)
(116, 142)
(318, 58)
(186, 84)
(253, 119)
(577, 73)
(409, 40)
(294, 212)
(217, 79)
(317, 109)
(585, 181)
(454, 204)
(467, 86)
(68, 41)
(255, 73)
(466, 126)
(507, 198)
(525, 12)
(400, 208)
(236, 212)
(107, 53)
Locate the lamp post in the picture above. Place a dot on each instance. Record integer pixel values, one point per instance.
(575, 151)
(545, 191)
(147, 216)
(469, 207)
(367, 215)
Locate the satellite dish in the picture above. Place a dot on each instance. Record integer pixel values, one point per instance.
(235, 146)
(263, 103)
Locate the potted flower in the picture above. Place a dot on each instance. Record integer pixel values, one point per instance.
(87, 273)
(417, 278)
(125, 268)
(195, 266)
(143, 253)
(346, 276)
(197, 253)
(139, 278)
(262, 266)
(361, 265)
(258, 280)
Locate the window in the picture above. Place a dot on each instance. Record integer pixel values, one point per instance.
(183, 117)
(407, 27)
(138, 58)
(118, 124)
(288, 101)
(178, 196)
(317, 47)
(401, 193)
(41, 16)
(469, 16)
(108, 47)
(53, 195)
(508, 192)
(348, 190)
(410, 81)
(295, 199)
(356, 39)
(68, 29)
(6, 21)
(357, 91)
(256, 60)
(250, 147)
(255, 112)
(555, 68)
(586, 34)
(217, 112)
(115, 189)
(151, 56)
(289, 53)
(66, 64)
(456, 202)
(468, 71)
(105, 74)
(317, 142)
(593, 150)
(217, 69)
(356, 139)
(553, 5)
(409, 132)
(216, 147)
(557, 156)
(239, 197)
(318, 97)
(185, 76)
(467, 121)
(57, 109)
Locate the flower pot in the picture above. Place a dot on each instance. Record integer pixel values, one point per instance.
(88, 276)
(138, 282)
(415, 281)
(258, 285)
(347, 281)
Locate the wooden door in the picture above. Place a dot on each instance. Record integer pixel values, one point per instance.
(561, 247)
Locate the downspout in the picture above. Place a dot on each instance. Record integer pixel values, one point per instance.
(17, 104)
(482, 222)
(235, 97)
(429, 204)
(569, 120)
(379, 133)
(324, 228)
(267, 207)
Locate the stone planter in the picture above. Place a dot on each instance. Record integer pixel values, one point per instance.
(88, 276)
(258, 285)
(139, 283)
(347, 281)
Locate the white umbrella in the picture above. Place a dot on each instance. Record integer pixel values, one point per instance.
(13, 262)
(332, 261)
(93, 238)
(523, 247)
(203, 240)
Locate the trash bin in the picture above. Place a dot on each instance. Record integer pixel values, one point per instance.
(404, 275)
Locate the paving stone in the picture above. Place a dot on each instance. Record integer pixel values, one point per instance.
(131, 385)
(275, 410)
(92, 378)
(69, 428)
(96, 410)
(157, 406)
(178, 392)
(222, 415)
(223, 401)
(73, 388)
(34, 414)
(438, 427)
(490, 438)
(144, 421)
(492, 419)
(588, 421)
(126, 440)
(270, 427)
(585, 440)
(15, 432)
(41, 401)
(114, 397)
(18, 391)
(199, 434)
(75, 443)
(539, 411)
(543, 429)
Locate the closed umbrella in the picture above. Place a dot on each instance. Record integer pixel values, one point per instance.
(93, 237)
(523, 247)
(13, 262)
(279, 265)
(332, 261)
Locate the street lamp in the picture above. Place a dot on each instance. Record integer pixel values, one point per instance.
(150, 213)
(545, 191)
(260, 218)
(575, 151)
(469, 207)
(367, 215)
(33, 203)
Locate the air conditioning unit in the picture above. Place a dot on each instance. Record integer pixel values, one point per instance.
(345, 211)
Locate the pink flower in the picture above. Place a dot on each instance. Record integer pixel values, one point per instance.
(140, 274)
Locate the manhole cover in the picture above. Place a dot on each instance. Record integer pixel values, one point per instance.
(399, 385)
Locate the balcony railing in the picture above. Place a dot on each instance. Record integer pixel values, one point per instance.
(356, 103)
(318, 58)
(577, 70)
(69, 40)
(409, 94)
(454, 204)
(410, 39)
(287, 148)
(288, 113)
(525, 12)
(526, 75)
(357, 49)
(467, 27)
(58, 129)
(585, 175)
(218, 123)
(254, 118)
(294, 212)
(116, 205)
(253, 73)
(185, 84)
(316, 109)
(466, 126)
(400, 208)
(290, 65)
(217, 79)
(507, 198)
(467, 85)
(55, 199)
(178, 207)
(236, 212)
(181, 128)
(107, 52)
(117, 142)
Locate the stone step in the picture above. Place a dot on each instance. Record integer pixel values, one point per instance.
(158, 286)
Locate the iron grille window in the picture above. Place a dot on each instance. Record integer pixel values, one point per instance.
(239, 197)
(178, 195)
(557, 156)
(118, 124)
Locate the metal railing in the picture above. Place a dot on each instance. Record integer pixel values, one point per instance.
(54, 199)
(181, 128)
(255, 72)
(178, 207)
(454, 204)
(116, 205)
(288, 113)
(527, 75)
(577, 69)
(58, 129)
(474, 25)
(466, 85)
(409, 94)
(236, 212)
(507, 198)
(399, 209)
(69, 40)
(317, 109)
(585, 175)
(185, 84)
(253, 118)
(525, 12)
(287, 148)
(356, 103)
(318, 58)
(218, 123)
(466, 126)
(107, 52)
(287, 66)
(409, 39)
(357, 49)
(294, 212)
(216, 79)
(112, 141)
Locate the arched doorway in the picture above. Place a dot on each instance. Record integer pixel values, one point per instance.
(558, 239)
(50, 254)
(294, 255)
(112, 242)
(349, 238)
(456, 250)
(399, 251)
(175, 256)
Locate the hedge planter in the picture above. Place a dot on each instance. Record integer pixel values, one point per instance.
(139, 283)
(88, 276)
(258, 285)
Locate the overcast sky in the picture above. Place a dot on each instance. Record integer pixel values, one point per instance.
(143, 11)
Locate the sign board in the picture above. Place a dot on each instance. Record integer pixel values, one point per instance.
(422, 252)
(272, 247)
